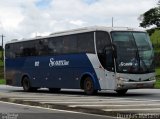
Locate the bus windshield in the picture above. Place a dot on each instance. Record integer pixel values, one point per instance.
(134, 52)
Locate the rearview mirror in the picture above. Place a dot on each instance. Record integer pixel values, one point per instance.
(114, 50)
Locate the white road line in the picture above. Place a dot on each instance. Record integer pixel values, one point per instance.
(140, 99)
(85, 102)
(52, 98)
(57, 110)
(64, 98)
(112, 105)
(86, 99)
(134, 109)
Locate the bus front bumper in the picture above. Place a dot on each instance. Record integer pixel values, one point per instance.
(135, 85)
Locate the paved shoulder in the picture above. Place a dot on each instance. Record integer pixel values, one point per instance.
(110, 105)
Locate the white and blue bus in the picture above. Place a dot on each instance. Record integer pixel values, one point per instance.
(91, 59)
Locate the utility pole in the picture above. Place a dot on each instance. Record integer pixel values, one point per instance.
(2, 47)
(112, 22)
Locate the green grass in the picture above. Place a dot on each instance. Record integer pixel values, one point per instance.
(158, 72)
(1, 63)
(1, 72)
(2, 81)
(157, 84)
(155, 37)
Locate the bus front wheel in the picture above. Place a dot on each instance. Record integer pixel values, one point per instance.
(121, 92)
(89, 86)
(26, 84)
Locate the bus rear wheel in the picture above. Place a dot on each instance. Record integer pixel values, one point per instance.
(54, 90)
(26, 84)
(121, 92)
(89, 86)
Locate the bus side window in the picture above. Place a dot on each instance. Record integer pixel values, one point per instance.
(70, 44)
(27, 49)
(55, 45)
(85, 42)
(51, 45)
(8, 52)
(43, 47)
(104, 50)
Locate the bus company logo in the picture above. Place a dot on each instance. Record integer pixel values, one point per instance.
(53, 62)
(122, 64)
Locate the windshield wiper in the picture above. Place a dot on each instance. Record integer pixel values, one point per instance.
(145, 66)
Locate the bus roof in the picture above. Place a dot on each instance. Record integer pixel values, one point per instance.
(80, 30)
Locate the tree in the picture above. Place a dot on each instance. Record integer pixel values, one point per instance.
(0, 48)
(151, 17)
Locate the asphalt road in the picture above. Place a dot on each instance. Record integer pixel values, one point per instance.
(143, 102)
(14, 111)
(152, 94)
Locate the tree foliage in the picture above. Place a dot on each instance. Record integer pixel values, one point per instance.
(0, 48)
(151, 17)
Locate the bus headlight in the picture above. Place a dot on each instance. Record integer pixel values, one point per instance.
(152, 78)
(120, 79)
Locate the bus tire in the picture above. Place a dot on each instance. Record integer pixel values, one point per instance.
(89, 86)
(122, 92)
(26, 84)
(54, 90)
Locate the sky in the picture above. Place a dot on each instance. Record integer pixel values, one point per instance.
(27, 18)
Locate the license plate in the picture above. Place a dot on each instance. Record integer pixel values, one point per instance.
(139, 85)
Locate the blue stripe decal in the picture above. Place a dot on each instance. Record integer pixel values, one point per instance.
(60, 71)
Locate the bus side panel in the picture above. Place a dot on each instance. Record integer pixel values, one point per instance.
(51, 71)
(106, 78)
(100, 72)
(68, 76)
(13, 71)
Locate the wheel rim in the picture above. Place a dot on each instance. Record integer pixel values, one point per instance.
(89, 88)
(89, 85)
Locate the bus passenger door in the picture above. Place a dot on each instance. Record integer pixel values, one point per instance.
(110, 70)
(110, 80)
